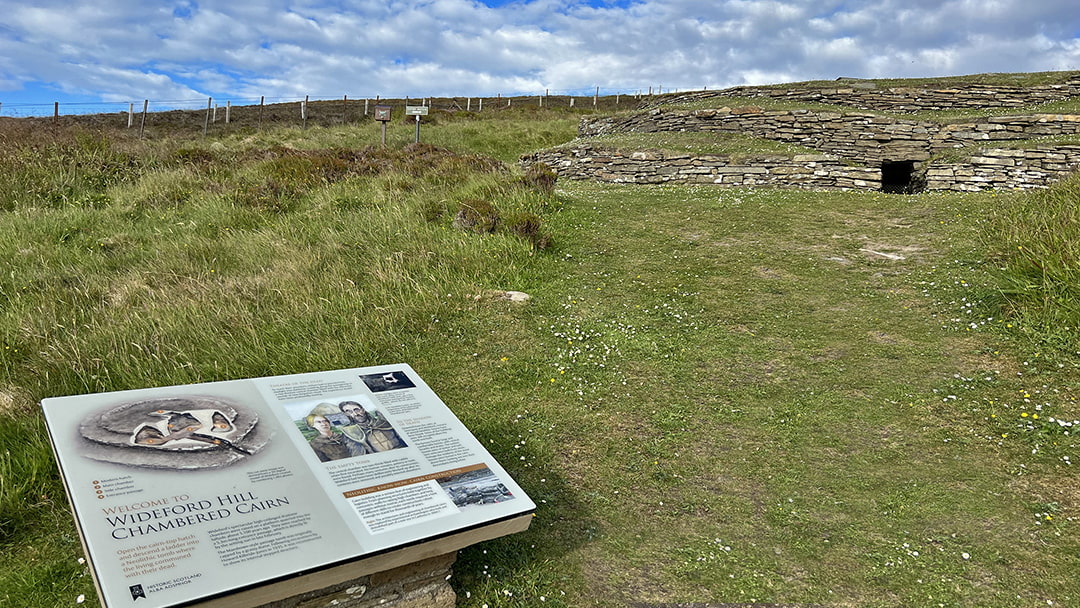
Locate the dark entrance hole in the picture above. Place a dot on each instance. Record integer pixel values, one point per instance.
(898, 177)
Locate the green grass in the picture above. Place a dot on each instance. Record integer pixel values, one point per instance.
(1035, 243)
(745, 404)
(714, 396)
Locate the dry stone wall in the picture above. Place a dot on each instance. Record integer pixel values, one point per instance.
(814, 172)
(866, 95)
(999, 169)
(861, 137)
(860, 149)
(856, 138)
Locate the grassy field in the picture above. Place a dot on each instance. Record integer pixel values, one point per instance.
(714, 395)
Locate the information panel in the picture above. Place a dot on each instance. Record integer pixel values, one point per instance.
(191, 492)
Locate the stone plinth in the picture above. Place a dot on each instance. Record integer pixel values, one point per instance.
(423, 584)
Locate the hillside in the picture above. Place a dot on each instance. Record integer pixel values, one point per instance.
(715, 395)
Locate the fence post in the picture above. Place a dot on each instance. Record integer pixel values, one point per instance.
(206, 121)
(228, 107)
(131, 114)
(345, 109)
(213, 118)
(56, 111)
(262, 101)
(303, 111)
(596, 97)
(142, 124)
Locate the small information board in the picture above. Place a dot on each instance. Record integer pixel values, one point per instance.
(382, 113)
(416, 110)
(185, 495)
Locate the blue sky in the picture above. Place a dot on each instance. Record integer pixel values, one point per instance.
(101, 56)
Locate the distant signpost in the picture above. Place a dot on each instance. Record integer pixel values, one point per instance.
(416, 111)
(382, 114)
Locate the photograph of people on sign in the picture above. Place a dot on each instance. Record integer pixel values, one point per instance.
(340, 429)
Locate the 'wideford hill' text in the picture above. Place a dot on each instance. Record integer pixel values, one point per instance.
(150, 516)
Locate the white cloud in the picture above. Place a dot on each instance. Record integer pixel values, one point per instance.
(222, 48)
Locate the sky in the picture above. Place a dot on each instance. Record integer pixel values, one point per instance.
(94, 55)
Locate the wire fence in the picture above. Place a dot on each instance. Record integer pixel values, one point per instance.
(575, 98)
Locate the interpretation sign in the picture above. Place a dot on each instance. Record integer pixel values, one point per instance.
(192, 492)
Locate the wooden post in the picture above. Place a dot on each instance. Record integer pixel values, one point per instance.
(596, 97)
(303, 111)
(468, 104)
(345, 109)
(56, 111)
(142, 125)
(262, 101)
(481, 106)
(206, 121)
(365, 106)
(228, 108)
(131, 114)
(213, 117)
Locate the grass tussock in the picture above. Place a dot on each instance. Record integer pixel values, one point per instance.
(1035, 241)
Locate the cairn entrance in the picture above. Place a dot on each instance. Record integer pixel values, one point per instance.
(898, 177)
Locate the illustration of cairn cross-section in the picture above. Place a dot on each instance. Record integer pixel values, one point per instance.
(189, 432)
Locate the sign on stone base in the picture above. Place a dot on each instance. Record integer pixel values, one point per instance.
(247, 492)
